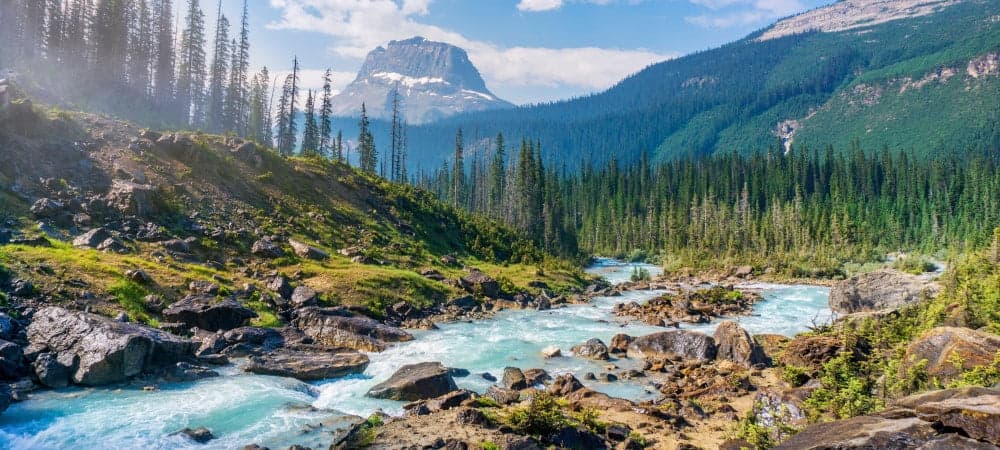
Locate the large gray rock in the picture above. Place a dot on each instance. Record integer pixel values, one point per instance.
(92, 238)
(879, 290)
(416, 382)
(8, 326)
(304, 250)
(11, 361)
(133, 198)
(948, 351)
(736, 345)
(477, 282)
(674, 343)
(207, 313)
(50, 372)
(513, 379)
(337, 328)
(267, 248)
(307, 365)
(951, 418)
(592, 349)
(102, 350)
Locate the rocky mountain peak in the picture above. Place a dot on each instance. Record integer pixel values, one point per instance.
(434, 80)
(851, 14)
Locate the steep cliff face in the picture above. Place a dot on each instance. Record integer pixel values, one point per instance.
(434, 80)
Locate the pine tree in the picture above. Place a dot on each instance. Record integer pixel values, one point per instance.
(325, 116)
(396, 136)
(54, 30)
(458, 172)
(497, 178)
(287, 127)
(310, 135)
(340, 146)
(192, 71)
(367, 155)
(258, 121)
(141, 49)
(237, 98)
(215, 120)
(109, 41)
(163, 77)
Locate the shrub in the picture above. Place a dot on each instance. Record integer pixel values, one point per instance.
(915, 265)
(541, 417)
(640, 274)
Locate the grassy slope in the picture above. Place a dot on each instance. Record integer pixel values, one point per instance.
(325, 204)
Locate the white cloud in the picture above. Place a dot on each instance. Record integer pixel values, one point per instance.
(729, 13)
(539, 5)
(358, 26)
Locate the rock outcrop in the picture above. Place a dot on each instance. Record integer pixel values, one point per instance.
(337, 328)
(673, 344)
(952, 418)
(736, 345)
(307, 364)
(592, 349)
(207, 313)
(950, 350)
(877, 291)
(98, 351)
(415, 382)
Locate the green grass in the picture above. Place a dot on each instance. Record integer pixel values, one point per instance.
(130, 296)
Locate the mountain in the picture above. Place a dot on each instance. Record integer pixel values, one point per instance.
(920, 76)
(435, 80)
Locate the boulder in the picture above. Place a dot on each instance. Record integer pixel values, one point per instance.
(204, 287)
(177, 245)
(951, 350)
(811, 351)
(502, 396)
(8, 326)
(415, 382)
(619, 343)
(92, 238)
(11, 361)
(879, 290)
(564, 385)
(674, 343)
(513, 378)
(536, 376)
(207, 313)
(592, 349)
(199, 435)
(951, 418)
(47, 208)
(304, 296)
(134, 199)
(266, 248)
(266, 338)
(50, 372)
(577, 437)
(102, 350)
(551, 352)
(304, 250)
(281, 286)
(477, 282)
(307, 365)
(335, 327)
(736, 345)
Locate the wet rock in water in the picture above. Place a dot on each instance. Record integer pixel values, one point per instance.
(477, 282)
(619, 343)
(488, 377)
(6, 397)
(949, 351)
(50, 372)
(592, 349)
(266, 338)
(304, 250)
(736, 345)
(184, 372)
(535, 377)
(879, 290)
(675, 343)
(11, 361)
(502, 396)
(304, 296)
(104, 351)
(415, 382)
(513, 378)
(551, 352)
(336, 327)
(307, 365)
(207, 313)
(200, 435)
(266, 248)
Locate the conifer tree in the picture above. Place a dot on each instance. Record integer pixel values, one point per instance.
(192, 69)
(310, 134)
(141, 47)
(325, 116)
(237, 97)
(367, 155)
(258, 121)
(458, 172)
(163, 77)
(215, 110)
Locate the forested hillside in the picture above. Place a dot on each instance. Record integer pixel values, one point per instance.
(872, 84)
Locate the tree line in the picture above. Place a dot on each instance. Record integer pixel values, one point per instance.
(815, 206)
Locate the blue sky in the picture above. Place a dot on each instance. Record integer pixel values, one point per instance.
(528, 50)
